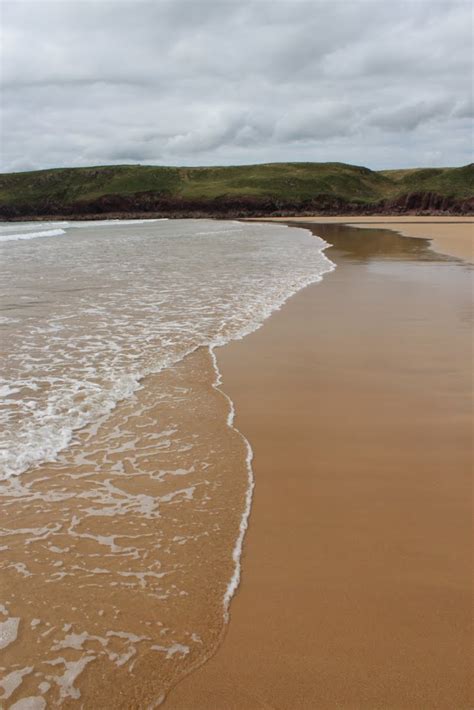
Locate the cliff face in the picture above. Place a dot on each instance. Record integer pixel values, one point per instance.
(235, 191)
(155, 204)
(428, 203)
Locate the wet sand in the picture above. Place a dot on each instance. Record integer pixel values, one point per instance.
(356, 399)
(453, 236)
(117, 556)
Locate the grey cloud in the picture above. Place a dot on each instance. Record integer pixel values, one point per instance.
(319, 121)
(409, 116)
(464, 109)
(375, 82)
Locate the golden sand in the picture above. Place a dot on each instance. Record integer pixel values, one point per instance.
(356, 398)
(119, 553)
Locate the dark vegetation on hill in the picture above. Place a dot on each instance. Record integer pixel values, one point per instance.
(241, 191)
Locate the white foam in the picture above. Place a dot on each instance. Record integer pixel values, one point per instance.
(31, 235)
(234, 581)
(8, 631)
(74, 641)
(72, 670)
(173, 650)
(114, 222)
(13, 680)
(6, 390)
(21, 568)
(33, 702)
(57, 231)
(92, 351)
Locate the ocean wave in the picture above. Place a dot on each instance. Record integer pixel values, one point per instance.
(31, 235)
(151, 305)
(58, 230)
(115, 222)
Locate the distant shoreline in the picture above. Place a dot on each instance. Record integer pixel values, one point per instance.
(286, 215)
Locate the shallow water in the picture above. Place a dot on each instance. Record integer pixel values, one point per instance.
(88, 313)
(125, 487)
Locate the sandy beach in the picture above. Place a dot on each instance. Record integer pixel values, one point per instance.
(236, 355)
(356, 399)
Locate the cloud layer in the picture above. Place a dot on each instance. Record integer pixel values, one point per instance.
(374, 82)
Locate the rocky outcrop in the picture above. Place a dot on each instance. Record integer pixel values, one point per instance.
(428, 203)
(151, 204)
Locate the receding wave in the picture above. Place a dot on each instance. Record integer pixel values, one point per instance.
(92, 315)
(136, 487)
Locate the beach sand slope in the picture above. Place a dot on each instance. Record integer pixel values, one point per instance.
(356, 573)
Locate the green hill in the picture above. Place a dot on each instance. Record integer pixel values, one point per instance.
(450, 182)
(268, 188)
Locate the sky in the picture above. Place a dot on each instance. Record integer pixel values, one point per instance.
(380, 83)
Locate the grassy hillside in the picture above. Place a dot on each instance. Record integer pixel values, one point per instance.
(288, 183)
(450, 182)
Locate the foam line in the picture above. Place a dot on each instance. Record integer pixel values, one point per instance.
(76, 225)
(237, 551)
(234, 581)
(31, 235)
(114, 222)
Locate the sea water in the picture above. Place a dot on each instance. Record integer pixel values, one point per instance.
(125, 487)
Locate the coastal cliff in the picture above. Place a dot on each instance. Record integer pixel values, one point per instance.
(278, 189)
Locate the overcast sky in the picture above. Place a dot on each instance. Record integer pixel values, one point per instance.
(381, 83)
